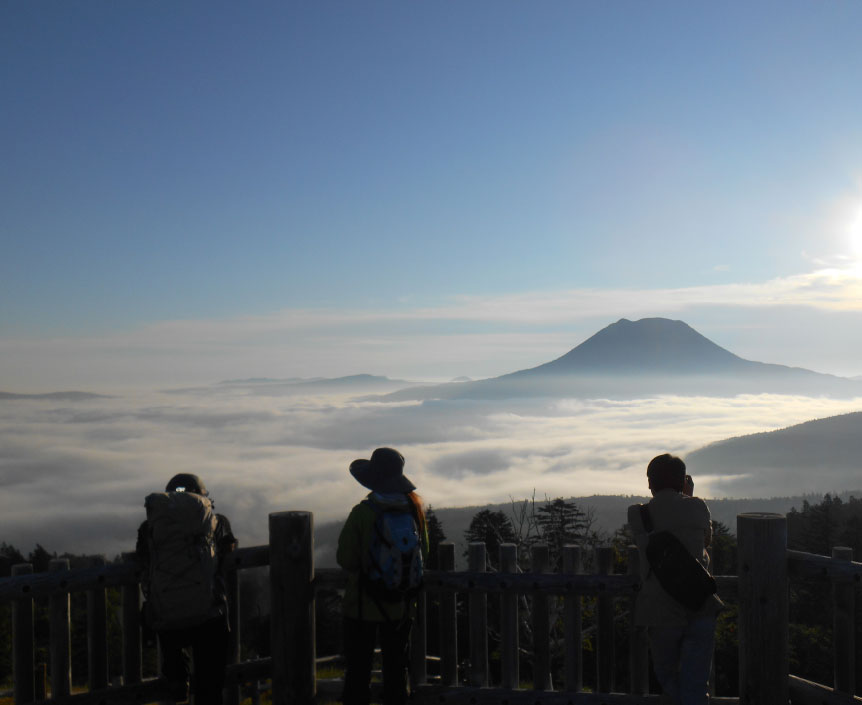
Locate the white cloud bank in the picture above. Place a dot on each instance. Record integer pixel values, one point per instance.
(74, 475)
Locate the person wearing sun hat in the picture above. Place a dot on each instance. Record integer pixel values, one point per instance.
(367, 617)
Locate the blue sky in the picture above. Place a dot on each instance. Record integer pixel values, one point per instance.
(220, 189)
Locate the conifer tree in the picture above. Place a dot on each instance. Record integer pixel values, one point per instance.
(436, 536)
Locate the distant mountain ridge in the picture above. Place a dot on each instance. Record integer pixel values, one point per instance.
(55, 396)
(651, 356)
(275, 387)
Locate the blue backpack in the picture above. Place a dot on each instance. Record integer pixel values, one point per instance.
(393, 565)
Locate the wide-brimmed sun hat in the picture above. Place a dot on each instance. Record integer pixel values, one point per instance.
(383, 473)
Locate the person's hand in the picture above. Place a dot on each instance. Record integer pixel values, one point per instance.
(688, 486)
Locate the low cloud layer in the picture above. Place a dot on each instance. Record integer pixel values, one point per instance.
(74, 475)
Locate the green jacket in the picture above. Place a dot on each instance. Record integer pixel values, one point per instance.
(353, 543)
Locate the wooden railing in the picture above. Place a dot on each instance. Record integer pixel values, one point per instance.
(761, 588)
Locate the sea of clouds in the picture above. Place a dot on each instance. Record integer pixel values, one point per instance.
(74, 474)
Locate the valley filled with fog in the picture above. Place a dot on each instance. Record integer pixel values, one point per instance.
(75, 471)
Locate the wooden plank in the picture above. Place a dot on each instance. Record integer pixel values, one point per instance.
(44, 584)
(843, 626)
(523, 583)
(97, 637)
(248, 671)
(131, 616)
(805, 692)
(812, 565)
(448, 620)
(418, 643)
(638, 642)
(119, 574)
(233, 696)
(330, 579)
(478, 615)
(539, 563)
(22, 643)
(155, 689)
(573, 624)
(292, 642)
(431, 695)
(605, 623)
(763, 609)
(509, 640)
(113, 575)
(60, 638)
(148, 691)
(248, 557)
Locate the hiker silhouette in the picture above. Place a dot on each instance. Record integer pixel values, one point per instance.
(181, 546)
(382, 546)
(681, 638)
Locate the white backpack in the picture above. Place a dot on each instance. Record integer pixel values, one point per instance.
(182, 560)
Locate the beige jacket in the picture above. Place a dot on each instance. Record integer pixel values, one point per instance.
(688, 519)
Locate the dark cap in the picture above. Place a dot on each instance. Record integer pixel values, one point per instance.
(188, 482)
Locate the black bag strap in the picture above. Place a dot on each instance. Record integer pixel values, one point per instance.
(646, 518)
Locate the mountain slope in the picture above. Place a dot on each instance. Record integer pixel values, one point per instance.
(822, 455)
(651, 356)
(647, 345)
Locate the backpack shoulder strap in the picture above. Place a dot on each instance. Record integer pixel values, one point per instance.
(646, 518)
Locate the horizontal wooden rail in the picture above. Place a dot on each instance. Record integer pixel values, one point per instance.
(113, 575)
(548, 583)
(428, 695)
(119, 574)
(43, 584)
(813, 565)
(156, 689)
(806, 692)
(329, 579)
(250, 557)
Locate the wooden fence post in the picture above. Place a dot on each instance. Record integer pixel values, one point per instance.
(478, 609)
(844, 626)
(638, 642)
(419, 643)
(97, 636)
(448, 620)
(233, 693)
(131, 600)
(574, 662)
(509, 643)
(23, 656)
(763, 609)
(291, 572)
(539, 563)
(60, 638)
(41, 681)
(605, 626)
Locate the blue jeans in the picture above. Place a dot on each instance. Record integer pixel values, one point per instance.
(682, 659)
